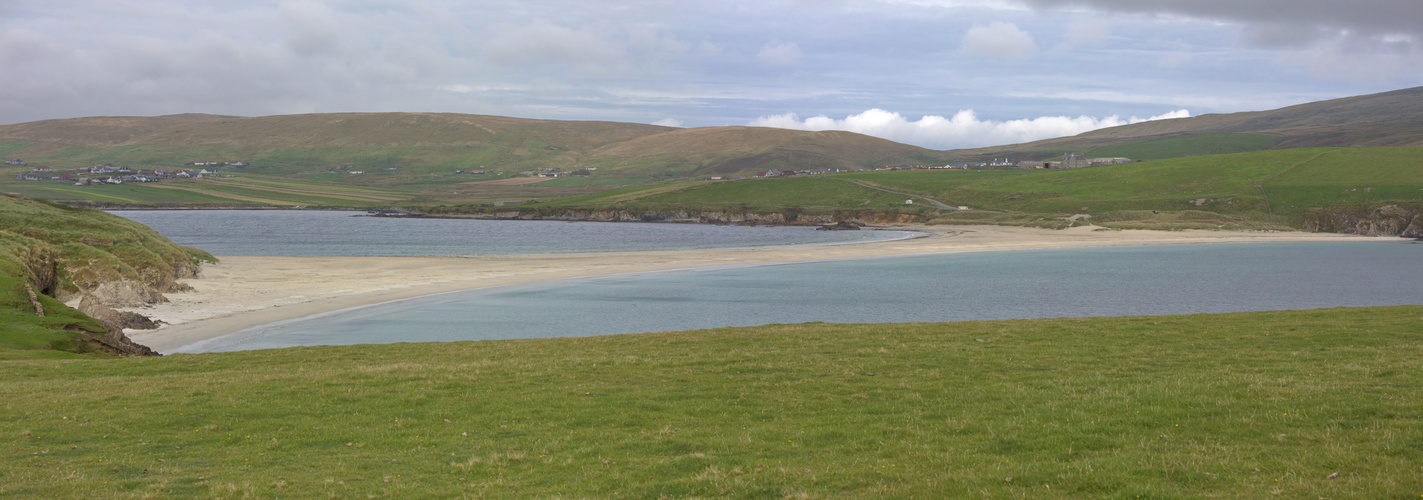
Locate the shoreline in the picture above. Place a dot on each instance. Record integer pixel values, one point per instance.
(242, 292)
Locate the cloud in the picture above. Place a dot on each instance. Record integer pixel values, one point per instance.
(963, 130)
(543, 42)
(778, 52)
(312, 28)
(1085, 33)
(669, 122)
(999, 39)
(1307, 20)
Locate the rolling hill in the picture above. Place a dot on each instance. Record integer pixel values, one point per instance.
(423, 143)
(1386, 119)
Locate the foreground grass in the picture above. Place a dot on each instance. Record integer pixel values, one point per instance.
(1236, 405)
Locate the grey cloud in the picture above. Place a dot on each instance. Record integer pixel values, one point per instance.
(1365, 17)
(545, 42)
(312, 28)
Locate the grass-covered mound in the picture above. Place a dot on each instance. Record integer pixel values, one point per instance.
(1303, 404)
(51, 250)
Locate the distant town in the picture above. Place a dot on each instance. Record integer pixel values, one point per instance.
(109, 174)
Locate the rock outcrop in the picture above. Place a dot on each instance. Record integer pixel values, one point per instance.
(1387, 220)
(843, 225)
(115, 320)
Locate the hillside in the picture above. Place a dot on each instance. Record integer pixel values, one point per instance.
(1333, 189)
(1385, 119)
(51, 252)
(426, 143)
(732, 151)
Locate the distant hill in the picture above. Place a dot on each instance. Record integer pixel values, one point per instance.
(1387, 119)
(293, 144)
(745, 150)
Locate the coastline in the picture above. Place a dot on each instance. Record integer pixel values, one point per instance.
(242, 292)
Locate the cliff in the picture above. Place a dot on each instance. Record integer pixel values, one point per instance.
(1404, 220)
(93, 259)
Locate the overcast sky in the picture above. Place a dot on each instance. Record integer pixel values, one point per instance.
(935, 73)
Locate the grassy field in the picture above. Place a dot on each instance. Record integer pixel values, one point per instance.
(241, 190)
(1289, 181)
(1187, 145)
(1304, 404)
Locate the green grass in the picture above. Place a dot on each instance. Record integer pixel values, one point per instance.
(8, 149)
(26, 335)
(1294, 180)
(247, 189)
(585, 181)
(817, 192)
(1354, 176)
(1187, 145)
(1237, 405)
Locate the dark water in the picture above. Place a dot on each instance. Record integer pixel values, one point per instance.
(1146, 280)
(322, 233)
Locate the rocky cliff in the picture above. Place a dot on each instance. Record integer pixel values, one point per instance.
(1404, 220)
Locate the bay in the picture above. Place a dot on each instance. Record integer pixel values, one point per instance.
(304, 233)
(1113, 281)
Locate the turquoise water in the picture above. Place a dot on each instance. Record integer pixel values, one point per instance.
(1144, 280)
(323, 233)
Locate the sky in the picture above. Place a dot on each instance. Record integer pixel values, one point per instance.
(935, 73)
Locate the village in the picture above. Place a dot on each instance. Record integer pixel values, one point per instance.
(109, 174)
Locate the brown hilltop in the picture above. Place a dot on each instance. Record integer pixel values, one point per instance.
(1385, 119)
(324, 130)
(439, 138)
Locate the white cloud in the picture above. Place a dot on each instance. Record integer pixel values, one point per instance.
(778, 52)
(669, 122)
(963, 130)
(999, 39)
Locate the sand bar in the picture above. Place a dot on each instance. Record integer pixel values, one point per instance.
(243, 292)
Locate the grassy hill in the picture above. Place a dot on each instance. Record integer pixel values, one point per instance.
(1385, 119)
(52, 251)
(425, 144)
(1296, 404)
(1260, 190)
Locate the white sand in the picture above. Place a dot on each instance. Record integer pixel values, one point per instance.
(243, 292)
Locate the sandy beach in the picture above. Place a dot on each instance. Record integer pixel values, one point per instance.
(243, 292)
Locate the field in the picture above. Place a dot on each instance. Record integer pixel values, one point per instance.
(1187, 145)
(1298, 404)
(1279, 182)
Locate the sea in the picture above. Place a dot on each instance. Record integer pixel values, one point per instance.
(1040, 283)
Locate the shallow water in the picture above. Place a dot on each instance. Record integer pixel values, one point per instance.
(1116, 281)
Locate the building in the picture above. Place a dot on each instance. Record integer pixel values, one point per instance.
(1073, 160)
